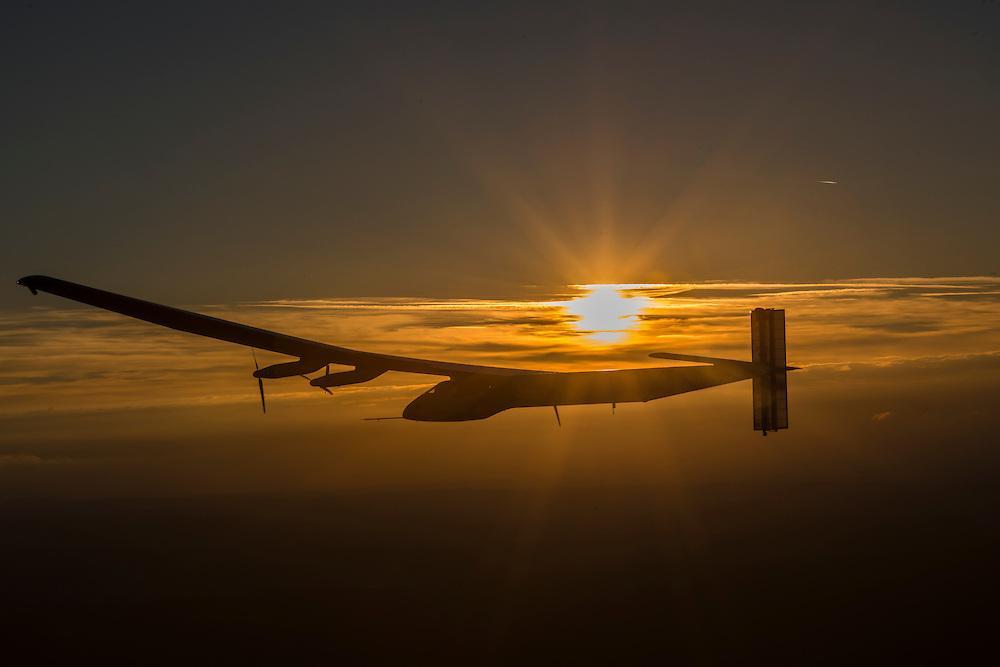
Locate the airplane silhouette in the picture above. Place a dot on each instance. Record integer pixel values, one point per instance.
(472, 391)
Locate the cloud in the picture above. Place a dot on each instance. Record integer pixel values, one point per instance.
(900, 327)
(20, 459)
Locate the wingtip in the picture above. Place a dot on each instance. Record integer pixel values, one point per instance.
(31, 282)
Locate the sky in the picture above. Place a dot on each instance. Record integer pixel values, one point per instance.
(450, 149)
(560, 186)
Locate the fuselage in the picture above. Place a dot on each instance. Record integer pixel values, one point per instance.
(465, 399)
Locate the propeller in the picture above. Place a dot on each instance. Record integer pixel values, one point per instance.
(307, 378)
(260, 382)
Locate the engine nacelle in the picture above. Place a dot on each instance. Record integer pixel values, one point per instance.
(289, 369)
(347, 377)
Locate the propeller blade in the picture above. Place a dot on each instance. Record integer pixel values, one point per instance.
(558, 421)
(260, 382)
(323, 388)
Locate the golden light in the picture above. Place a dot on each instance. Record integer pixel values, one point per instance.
(606, 312)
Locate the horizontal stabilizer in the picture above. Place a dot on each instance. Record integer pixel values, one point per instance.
(715, 361)
(695, 358)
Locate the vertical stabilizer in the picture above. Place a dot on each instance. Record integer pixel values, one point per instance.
(770, 384)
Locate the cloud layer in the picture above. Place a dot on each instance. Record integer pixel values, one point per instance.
(63, 359)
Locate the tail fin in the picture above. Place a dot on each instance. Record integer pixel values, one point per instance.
(770, 387)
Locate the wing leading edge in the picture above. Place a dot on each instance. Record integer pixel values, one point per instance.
(242, 334)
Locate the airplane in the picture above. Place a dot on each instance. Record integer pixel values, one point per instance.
(471, 391)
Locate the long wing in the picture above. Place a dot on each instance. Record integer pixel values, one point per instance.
(241, 334)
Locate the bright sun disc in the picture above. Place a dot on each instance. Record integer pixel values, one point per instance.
(606, 312)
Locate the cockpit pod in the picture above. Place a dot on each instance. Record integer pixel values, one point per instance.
(464, 399)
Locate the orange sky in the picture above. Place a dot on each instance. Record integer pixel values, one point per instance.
(81, 389)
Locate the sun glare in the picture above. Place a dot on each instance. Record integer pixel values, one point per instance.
(606, 312)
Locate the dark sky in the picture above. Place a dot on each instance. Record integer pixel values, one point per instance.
(251, 150)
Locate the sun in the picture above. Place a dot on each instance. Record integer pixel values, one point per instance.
(606, 313)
